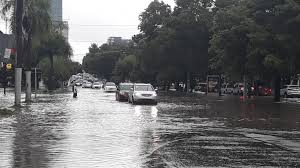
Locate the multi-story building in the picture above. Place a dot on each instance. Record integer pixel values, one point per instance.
(56, 10)
(56, 13)
(117, 41)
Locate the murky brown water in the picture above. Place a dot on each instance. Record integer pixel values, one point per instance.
(181, 131)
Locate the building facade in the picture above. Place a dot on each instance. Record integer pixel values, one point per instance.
(56, 13)
(118, 41)
(56, 10)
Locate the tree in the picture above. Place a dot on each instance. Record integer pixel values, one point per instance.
(102, 60)
(64, 68)
(56, 45)
(124, 69)
(175, 39)
(260, 36)
(153, 17)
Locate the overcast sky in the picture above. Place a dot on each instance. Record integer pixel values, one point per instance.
(96, 20)
(93, 21)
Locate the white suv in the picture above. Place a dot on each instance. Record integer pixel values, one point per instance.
(290, 91)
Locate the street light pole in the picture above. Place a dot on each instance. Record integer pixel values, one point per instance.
(18, 59)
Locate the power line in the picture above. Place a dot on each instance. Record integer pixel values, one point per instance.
(102, 25)
(86, 41)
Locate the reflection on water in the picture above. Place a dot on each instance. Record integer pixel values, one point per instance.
(138, 110)
(93, 130)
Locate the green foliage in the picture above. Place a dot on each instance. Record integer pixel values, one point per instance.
(63, 69)
(125, 68)
(102, 60)
(256, 38)
(153, 17)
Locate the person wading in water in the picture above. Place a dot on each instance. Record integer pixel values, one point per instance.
(74, 92)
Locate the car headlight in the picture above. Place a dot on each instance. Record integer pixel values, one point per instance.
(155, 94)
(137, 94)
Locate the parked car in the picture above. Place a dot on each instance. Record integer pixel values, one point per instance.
(110, 87)
(87, 85)
(264, 91)
(238, 89)
(227, 88)
(201, 88)
(290, 91)
(96, 85)
(142, 92)
(122, 91)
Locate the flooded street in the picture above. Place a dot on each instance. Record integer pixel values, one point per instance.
(94, 130)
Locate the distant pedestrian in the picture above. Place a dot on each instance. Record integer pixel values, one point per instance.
(74, 92)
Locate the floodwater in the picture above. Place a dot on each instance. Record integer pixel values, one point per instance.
(94, 130)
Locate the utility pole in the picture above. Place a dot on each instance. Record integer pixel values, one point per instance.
(6, 25)
(19, 55)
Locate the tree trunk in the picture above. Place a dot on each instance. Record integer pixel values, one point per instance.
(220, 86)
(245, 88)
(277, 83)
(18, 79)
(188, 82)
(18, 59)
(28, 69)
(28, 86)
(51, 77)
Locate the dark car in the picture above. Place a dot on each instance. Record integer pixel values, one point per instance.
(122, 91)
(264, 91)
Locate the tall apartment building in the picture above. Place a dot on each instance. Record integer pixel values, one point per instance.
(56, 13)
(56, 10)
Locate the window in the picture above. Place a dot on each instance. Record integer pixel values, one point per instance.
(143, 88)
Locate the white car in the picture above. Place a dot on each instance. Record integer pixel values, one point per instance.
(87, 85)
(96, 85)
(290, 91)
(227, 88)
(110, 87)
(142, 92)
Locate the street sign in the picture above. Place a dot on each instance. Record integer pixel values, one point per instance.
(9, 66)
(7, 53)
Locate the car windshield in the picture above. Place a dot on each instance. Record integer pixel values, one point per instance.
(144, 88)
(110, 84)
(125, 87)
